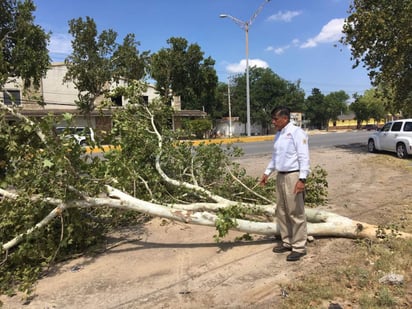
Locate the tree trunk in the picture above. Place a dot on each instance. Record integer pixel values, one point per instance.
(320, 223)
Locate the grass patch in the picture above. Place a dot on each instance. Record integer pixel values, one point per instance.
(354, 280)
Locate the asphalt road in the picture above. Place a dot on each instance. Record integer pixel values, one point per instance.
(321, 140)
(262, 145)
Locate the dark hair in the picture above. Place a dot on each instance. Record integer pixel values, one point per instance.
(281, 111)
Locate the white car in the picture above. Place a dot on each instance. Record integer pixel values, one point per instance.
(80, 134)
(394, 136)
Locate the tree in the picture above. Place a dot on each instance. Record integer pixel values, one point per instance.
(181, 70)
(320, 109)
(128, 63)
(97, 60)
(316, 110)
(23, 44)
(379, 33)
(367, 106)
(361, 110)
(336, 103)
(23, 54)
(267, 91)
(222, 101)
(375, 103)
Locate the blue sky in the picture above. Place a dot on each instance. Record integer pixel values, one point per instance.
(295, 38)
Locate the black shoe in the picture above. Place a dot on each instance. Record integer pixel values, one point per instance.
(281, 249)
(295, 256)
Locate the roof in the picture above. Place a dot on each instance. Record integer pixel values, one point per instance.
(190, 113)
(349, 116)
(97, 112)
(60, 111)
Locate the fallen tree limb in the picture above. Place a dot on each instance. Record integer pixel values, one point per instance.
(320, 223)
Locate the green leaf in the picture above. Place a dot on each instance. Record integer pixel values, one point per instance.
(47, 163)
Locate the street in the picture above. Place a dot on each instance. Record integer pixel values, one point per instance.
(322, 140)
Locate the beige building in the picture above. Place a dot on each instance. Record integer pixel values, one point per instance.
(58, 98)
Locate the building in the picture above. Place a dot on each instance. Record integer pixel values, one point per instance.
(349, 121)
(57, 98)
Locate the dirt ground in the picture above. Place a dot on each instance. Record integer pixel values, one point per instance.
(165, 264)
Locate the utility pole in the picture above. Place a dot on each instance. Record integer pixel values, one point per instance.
(230, 108)
(245, 25)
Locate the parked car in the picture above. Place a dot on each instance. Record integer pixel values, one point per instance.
(81, 134)
(371, 127)
(394, 136)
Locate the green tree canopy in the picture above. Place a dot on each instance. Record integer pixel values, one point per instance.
(369, 105)
(222, 106)
(361, 110)
(267, 90)
(128, 63)
(316, 109)
(181, 70)
(379, 33)
(320, 108)
(97, 59)
(336, 103)
(23, 45)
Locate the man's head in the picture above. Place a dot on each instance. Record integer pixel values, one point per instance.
(280, 117)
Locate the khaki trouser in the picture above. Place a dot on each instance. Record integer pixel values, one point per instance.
(290, 212)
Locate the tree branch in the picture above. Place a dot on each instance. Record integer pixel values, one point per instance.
(25, 119)
(320, 223)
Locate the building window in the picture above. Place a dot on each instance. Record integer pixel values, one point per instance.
(12, 97)
(117, 100)
(146, 99)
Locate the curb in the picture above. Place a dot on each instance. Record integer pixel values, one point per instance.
(103, 148)
(227, 140)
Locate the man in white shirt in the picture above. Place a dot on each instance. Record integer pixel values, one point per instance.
(290, 158)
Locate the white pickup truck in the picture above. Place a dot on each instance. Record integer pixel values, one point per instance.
(394, 136)
(81, 134)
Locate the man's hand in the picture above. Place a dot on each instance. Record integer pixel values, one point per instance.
(299, 187)
(263, 180)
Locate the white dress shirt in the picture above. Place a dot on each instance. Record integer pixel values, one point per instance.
(290, 152)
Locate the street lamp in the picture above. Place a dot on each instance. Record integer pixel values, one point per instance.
(230, 108)
(245, 26)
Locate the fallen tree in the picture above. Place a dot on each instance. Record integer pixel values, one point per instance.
(320, 223)
(52, 186)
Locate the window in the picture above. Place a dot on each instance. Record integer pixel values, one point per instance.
(117, 100)
(386, 127)
(397, 126)
(12, 97)
(408, 127)
(146, 99)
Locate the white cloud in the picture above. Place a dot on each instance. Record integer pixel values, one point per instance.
(281, 49)
(60, 44)
(241, 66)
(284, 16)
(331, 32)
(277, 50)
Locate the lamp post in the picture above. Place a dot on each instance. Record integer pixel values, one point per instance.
(230, 108)
(245, 26)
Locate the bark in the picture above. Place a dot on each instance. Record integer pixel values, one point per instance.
(320, 223)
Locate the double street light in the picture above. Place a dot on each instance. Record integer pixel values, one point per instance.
(245, 25)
